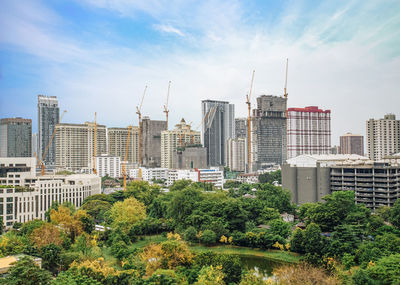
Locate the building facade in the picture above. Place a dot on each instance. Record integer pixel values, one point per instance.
(151, 141)
(75, 144)
(107, 165)
(383, 137)
(48, 118)
(352, 144)
(117, 139)
(241, 128)
(218, 126)
(309, 131)
(176, 139)
(15, 137)
(268, 142)
(236, 154)
(189, 157)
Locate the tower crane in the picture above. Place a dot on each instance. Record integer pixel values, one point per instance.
(126, 156)
(166, 111)
(40, 162)
(94, 143)
(138, 111)
(248, 102)
(285, 89)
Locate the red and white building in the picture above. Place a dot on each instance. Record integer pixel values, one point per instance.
(308, 131)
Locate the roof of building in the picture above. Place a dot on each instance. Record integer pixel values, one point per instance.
(309, 109)
(351, 135)
(311, 160)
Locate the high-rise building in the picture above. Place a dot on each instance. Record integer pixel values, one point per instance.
(383, 137)
(236, 154)
(75, 145)
(241, 128)
(309, 131)
(218, 127)
(268, 142)
(151, 141)
(15, 137)
(352, 144)
(117, 139)
(107, 165)
(48, 118)
(180, 137)
(35, 149)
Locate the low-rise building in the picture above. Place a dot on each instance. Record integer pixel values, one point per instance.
(180, 174)
(213, 176)
(108, 165)
(250, 178)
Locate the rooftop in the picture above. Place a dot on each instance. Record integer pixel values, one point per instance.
(308, 160)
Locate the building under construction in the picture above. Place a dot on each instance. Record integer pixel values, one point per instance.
(151, 141)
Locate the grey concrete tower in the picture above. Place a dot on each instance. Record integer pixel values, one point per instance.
(15, 137)
(217, 128)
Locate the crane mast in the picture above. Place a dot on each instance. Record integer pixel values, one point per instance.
(166, 111)
(94, 143)
(285, 89)
(126, 156)
(248, 102)
(138, 111)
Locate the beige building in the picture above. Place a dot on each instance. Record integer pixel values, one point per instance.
(236, 154)
(181, 136)
(75, 143)
(352, 144)
(383, 137)
(117, 139)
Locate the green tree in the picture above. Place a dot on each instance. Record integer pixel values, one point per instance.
(72, 278)
(394, 217)
(275, 197)
(386, 270)
(51, 257)
(26, 272)
(208, 237)
(182, 204)
(279, 227)
(297, 241)
(125, 214)
(190, 234)
(96, 208)
(180, 185)
(270, 177)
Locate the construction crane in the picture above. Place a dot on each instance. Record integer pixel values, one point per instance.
(248, 102)
(94, 143)
(166, 111)
(126, 156)
(285, 89)
(40, 162)
(138, 111)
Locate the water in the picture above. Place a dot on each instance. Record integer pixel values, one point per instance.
(262, 265)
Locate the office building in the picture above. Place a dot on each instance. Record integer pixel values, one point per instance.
(213, 176)
(383, 137)
(107, 165)
(15, 137)
(176, 139)
(75, 145)
(117, 139)
(180, 174)
(218, 126)
(189, 157)
(309, 131)
(48, 118)
(241, 130)
(268, 142)
(236, 154)
(151, 141)
(352, 144)
(25, 196)
(35, 149)
(335, 149)
(149, 174)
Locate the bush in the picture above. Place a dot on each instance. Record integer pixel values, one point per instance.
(208, 237)
(190, 234)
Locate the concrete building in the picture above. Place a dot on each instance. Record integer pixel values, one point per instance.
(189, 157)
(35, 141)
(117, 139)
(151, 141)
(335, 149)
(149, 174)
(108, 165)
(180, 174)
(352, 144)
(310, 178)
(383, 137)
(26, 196)
(75, 144)
(172, 140)
(218, 127)
(15, 137)
(309, 131)
(236, 154)
(241, 128)
(268, 142)
(48, 118)
(213, 176)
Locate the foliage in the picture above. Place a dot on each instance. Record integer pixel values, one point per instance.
(385, 271)
(279, 227)
(303, 274)
(69, 278)
(232, 184)
(394, 217)
(180, 185)
(126, 213)
(270, 177)
(142, 191)
(211, 275)
(96, 208)
(71, 224)
(26, 272)
(11, 243)
(51, 257)
(208, 237)
(190, 234)
(45, 235)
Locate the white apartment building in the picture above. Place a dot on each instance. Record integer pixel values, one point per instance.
(180, 174)
(181, 136)
(236, 154)
(117, 139)
(25, 196)
(149, 174)
(213, 176)
(383, 137)
(75, 144)
(108, 165)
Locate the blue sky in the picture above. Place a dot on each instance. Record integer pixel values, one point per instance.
(97, 56)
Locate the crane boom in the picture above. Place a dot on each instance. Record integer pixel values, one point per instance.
(248, 102)
(138, 111)
(166, 111)
(287, 65)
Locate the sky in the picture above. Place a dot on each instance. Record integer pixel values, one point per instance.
(98, 56)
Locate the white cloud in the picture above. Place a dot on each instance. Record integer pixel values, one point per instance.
(169, 29)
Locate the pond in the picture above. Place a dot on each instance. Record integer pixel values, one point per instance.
(260, 264)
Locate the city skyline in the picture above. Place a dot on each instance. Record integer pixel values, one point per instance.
(91, 52)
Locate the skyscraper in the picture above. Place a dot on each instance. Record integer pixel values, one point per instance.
(48, 118)
(352, 144)
(117, 139)
(236, 154)
(268, 142)
(151, 141)
(309, 131)
(383, 137)
(241, 128)
(15, 137)
(218, 126)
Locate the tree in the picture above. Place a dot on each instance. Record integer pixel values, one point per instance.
(70, 224)
(386, 270)
(28, 227)
(125, 214)
(45, 235)
(182, 204)
(275, 197)
(96, 208)
(303, 274)
(190, 234)
(210, 275)
(26, 272)
(51, 257)
(208, 237)
(270, 177)
(279, 227)
(142, 191)
(297, 241)
(70, 278)
(180, 185)
(394, 217)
